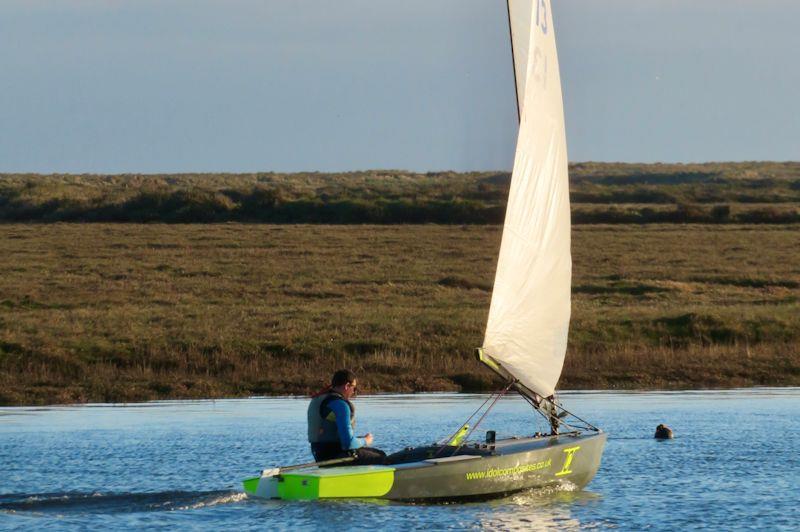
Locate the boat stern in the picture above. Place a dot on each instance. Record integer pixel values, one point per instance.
(322, 483)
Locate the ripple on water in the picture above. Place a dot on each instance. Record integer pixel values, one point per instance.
(179, 464)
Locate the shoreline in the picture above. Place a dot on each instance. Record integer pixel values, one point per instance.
(300, 397)
(138, 394)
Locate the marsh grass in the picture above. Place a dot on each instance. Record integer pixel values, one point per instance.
(128, 312)
(720, 193)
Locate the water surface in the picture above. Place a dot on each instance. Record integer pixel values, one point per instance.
(733, 463)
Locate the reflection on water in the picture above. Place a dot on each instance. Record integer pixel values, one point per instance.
(535, 509)
(178, 464)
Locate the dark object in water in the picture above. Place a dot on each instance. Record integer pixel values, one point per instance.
(663, 432)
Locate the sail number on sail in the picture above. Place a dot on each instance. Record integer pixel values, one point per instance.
(541, 15)
(539, 63)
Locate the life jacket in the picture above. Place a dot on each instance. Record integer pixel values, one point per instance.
(322, 421)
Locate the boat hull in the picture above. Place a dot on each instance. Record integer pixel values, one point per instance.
(513, 465)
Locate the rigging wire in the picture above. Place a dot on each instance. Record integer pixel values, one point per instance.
(537, 407)
(499, 395)
(467, 421)
(586, 424)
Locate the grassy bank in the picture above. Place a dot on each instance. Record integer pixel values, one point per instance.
(123, 312)
(718, 193)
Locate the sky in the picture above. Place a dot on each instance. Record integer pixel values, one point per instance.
(150, 86)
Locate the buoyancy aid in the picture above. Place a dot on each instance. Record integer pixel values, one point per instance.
(322, 421)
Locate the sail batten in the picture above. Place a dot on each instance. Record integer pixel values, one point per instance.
(530, 310)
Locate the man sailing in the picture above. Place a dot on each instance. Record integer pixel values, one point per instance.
(331, 419)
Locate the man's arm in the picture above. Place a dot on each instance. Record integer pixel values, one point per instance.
(345, 429)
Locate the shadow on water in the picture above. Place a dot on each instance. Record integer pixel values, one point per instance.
(111, 503)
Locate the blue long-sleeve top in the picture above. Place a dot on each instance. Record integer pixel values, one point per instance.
(346, 436)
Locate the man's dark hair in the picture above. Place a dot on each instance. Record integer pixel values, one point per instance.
(341, 377)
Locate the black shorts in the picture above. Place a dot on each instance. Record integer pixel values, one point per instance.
(363, 455)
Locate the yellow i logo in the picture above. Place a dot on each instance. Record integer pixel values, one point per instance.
(568, 461)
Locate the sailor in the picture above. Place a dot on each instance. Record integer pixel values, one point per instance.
(331, 419)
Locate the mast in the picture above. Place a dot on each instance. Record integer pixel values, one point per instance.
(513, 61)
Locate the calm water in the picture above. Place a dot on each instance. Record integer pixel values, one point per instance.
(734, 463)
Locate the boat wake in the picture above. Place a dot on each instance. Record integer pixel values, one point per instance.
(105, 503)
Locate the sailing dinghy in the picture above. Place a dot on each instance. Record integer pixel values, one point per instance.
(526, 333)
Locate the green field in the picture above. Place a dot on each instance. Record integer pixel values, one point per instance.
(124, 312)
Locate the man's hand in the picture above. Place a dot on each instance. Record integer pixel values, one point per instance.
(368, 439)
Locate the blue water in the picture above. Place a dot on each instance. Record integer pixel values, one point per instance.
(733, 464)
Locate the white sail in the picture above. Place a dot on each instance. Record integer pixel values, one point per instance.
(530, 309)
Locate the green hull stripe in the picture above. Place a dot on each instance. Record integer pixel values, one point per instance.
(251, 485)
(377, 483)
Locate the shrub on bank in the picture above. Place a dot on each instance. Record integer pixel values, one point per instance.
(601, 193)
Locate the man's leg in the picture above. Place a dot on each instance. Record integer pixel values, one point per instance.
(326, 451)
(369, 456)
